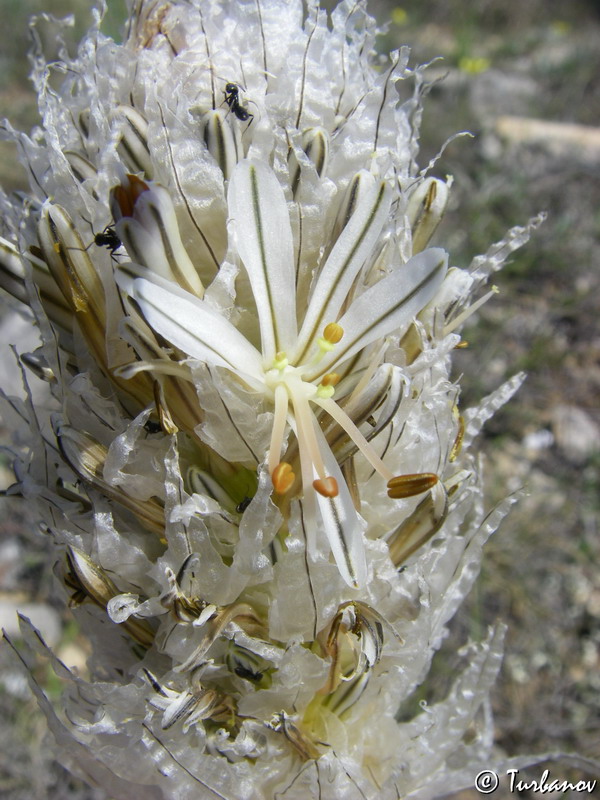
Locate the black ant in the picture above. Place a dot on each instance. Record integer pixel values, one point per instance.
(150, 425)
(248, 674)
(108, 238)
(232, 98)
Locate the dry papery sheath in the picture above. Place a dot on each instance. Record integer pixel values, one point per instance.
(252, 462)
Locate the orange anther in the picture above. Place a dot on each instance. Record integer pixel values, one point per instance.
(327, 487)
(283, 477)
(409, 485)
(331, 379)
(333, 333)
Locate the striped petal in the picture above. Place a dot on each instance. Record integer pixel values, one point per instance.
(193, 326)
(353, 247)
(343, 526)
(387, 306)
(260, 225)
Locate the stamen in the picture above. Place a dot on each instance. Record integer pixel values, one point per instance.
(332, 334)
(280, 361)
(279, 419)
(307, 439)
(325, 392)
(327, 487)
(456, 323)
(359, 440)
(409, 485)
(283, 477)
(324, 347)
(309, 501)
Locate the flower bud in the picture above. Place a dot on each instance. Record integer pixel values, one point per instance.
(223, 141)
(426, 208)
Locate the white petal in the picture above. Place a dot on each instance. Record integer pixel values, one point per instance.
(351, 250)
(388, 305)
(260, 224)
(192, 326)
(343, 526)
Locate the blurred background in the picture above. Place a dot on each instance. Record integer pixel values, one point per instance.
(523, 76)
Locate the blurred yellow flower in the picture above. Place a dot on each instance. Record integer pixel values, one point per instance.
(473, 66)
(399, 16)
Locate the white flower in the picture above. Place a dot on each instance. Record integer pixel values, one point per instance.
(252, 460)
(294, 367)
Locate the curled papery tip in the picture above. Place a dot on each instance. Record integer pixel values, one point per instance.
(409, 485)
(327, 487)
(283, 477)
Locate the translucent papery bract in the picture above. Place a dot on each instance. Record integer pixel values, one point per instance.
(250, 456)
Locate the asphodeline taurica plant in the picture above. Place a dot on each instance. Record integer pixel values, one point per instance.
(252, 461)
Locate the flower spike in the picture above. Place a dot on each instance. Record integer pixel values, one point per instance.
(262, 235)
